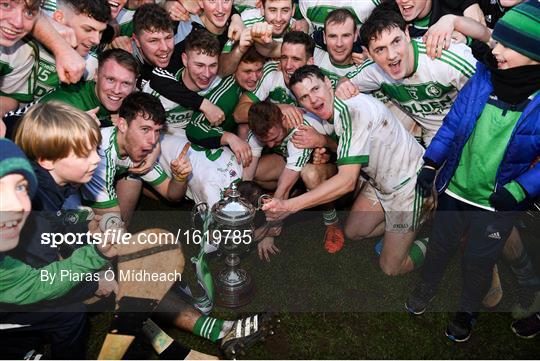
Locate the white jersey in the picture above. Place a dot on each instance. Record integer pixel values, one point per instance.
(272, 86)
(428, 94)
(100, 191)
(242, 5)
(316, 11)
(296, 158)
(213, 169)
(178, 116)
(370, 135)
(323, 61)
(18, 70)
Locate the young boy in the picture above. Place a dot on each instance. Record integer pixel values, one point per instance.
(21, 284)
(486, 147)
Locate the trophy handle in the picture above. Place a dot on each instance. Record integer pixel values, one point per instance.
(262, 200)
(200, 209)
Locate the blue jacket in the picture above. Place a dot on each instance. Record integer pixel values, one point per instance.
(522, 149)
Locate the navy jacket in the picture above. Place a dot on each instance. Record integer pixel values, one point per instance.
(521, 151)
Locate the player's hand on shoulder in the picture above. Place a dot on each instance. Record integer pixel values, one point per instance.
(346, 89)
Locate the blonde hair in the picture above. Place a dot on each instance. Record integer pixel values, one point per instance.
(52, 131)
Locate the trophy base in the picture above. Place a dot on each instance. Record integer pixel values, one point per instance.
(234, 296)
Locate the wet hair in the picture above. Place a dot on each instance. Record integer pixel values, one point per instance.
(201, 40)
(54, 130)
(263, 116)
(98, 10)
(339, 16)
(299, 37)
(382, 18)
(144, 104)
(304, 72)
(151, 17)
(122, 57)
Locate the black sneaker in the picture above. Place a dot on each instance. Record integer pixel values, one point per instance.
(459, 330)
(527, 327)
(418, 301)
(245, 333)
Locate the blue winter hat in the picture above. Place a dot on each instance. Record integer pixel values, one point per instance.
(13, 160)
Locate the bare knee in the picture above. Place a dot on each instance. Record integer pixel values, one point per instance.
(353, 232)
(311, 177)
(390, 268)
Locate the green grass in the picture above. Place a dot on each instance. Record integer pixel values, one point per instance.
(342, 306)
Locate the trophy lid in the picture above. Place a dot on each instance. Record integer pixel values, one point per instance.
(233, 210)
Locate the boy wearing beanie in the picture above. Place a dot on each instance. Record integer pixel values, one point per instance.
(485, 150)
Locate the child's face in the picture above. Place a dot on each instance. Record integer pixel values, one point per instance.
(508, 58)
(74, 169)
(14, 208)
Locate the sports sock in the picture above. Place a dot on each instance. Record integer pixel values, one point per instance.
(208, 327)
(418, 251)
(524, 271)
(330, 217)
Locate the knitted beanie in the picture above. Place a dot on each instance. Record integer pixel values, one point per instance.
(519, 29)
(13, 160)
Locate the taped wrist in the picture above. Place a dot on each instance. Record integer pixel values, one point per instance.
(131, 314)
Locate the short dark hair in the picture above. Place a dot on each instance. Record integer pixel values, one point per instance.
(339, 16)
(253, 56)
(151, 17)
(263, 116)
(33, 5)
(304, 72)
(384, 17)
(144, 104)
(203, 41)
(299, 37)
(99, 10)
(122, 57)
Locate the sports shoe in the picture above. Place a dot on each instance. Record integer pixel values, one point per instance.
(528, 303)
(527, 327)
(419, 299)
(334, 239)
(495, 293)
(459, 329)
(378, 247)
(245, 333)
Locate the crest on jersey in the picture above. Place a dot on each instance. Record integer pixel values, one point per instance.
(433, 90)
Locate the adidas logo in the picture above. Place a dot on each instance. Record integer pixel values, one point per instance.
(495, 235)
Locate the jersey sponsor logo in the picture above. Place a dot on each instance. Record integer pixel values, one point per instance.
(430, 107)
(175, 117)
(280, 95)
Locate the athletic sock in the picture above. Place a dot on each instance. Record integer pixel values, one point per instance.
(330, 217)
(418, 251)
(524, 271)
(208, 327)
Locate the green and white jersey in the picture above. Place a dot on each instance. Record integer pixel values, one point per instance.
(47, 77)
(82, 96)
(18, 70)
(178, 116)
(272, 86)
(49, 7)
(225, 96)
(296, 158)
(333, 71)
(316, 11)
(428, 94)
(125, 20)
(369, 134)
(100, 191)
(213, 169)
(243, 5)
